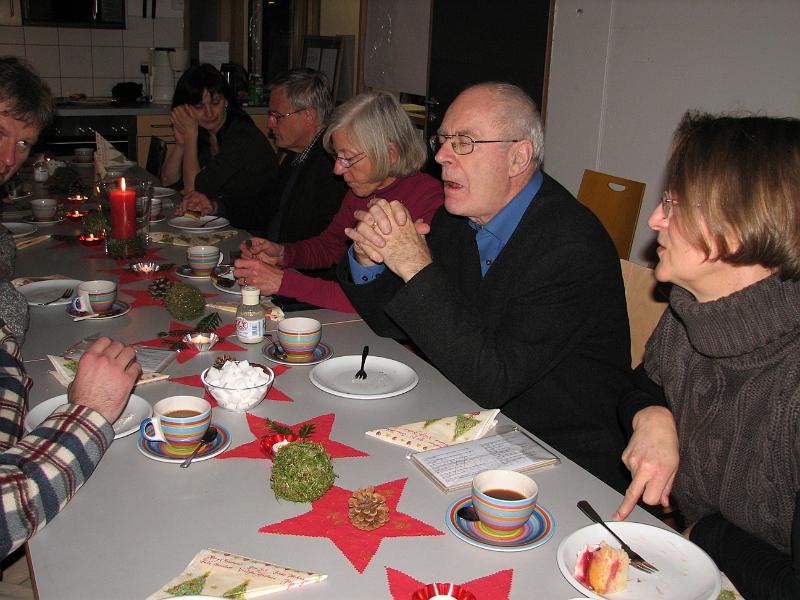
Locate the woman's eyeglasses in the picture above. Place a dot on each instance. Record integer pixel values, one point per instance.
(349, 162)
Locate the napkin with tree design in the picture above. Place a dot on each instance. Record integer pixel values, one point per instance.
(225, 575)
(438, 433)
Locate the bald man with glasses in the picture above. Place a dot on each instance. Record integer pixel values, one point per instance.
(514, 292)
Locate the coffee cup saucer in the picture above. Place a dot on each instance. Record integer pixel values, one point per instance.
(538, 530)
(186, 271)
(162, 452)
(321, 352)
(118, 309)
(35, 221)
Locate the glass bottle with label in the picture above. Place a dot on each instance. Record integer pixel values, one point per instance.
(250, 323)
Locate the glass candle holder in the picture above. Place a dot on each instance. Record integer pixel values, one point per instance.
(125, 204)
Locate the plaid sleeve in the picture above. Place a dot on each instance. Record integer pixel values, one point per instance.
(43, 470)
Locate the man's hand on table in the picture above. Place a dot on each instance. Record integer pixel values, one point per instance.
(264, 250)
(106, 375)
(652, 456)
(196, 201)
(252, 271)
(384, 233)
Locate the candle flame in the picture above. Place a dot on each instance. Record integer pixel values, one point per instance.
(122, 184)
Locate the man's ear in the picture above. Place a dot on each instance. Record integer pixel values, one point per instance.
(520, 157)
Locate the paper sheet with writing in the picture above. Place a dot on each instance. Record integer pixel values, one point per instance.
(455, 466)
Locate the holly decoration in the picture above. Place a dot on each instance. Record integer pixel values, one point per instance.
(237, 593)
(191, 587)
(174, 337)
(463, 424)
(281, 436)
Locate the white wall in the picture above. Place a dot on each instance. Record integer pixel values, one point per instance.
(624, 71)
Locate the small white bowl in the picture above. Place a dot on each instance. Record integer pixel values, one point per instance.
(240, 400)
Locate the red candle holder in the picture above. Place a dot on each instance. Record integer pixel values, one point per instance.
(90, 239)
(76, 215)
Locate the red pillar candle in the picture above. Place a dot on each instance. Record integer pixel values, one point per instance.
(123, 213)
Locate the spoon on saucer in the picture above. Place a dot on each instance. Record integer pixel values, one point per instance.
(467, 513)
(209, 436)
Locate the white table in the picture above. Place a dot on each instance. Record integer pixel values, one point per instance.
(137, 523)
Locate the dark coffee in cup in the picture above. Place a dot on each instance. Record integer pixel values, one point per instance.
(505, 494)
(181, 414)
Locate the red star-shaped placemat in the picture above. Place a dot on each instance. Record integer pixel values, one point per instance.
(322, 434)
(187, 354)
(151, 254)
(125, 275)
(328, 518)
(273, 393)
(70, 244)
(142, 298)
(496, 586)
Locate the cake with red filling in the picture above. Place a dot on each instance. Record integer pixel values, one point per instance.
(602, 568)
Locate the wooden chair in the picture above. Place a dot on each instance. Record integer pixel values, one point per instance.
(645, 306)
(156, 154)
(616, 202)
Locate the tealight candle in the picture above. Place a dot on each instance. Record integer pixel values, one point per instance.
(90, 239)
(76, 214)
(78, 198)
(201, 341)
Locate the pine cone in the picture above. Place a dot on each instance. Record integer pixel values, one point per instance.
(159, 288)
(368, 509)
(221, 360)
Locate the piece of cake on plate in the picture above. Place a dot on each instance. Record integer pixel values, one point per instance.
(602, 568)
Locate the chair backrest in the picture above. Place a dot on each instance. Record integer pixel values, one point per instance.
(645, 306)
(616, 202)
(156, 154)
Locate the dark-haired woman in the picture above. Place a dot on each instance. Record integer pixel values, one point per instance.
(220, 155)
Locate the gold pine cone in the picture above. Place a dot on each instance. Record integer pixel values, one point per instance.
(368, 509)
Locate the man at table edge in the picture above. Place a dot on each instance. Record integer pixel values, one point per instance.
(41, 471)
(515, 294)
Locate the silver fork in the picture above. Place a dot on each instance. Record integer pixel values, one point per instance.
(67, 293)
(362, 374)
(636, 560)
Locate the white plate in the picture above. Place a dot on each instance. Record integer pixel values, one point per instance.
(685, 571)
(15, 214)
(194, 225)
(19, 230)
(385, 377)
(43, 291)
(163, 192)
(236, 290)
(35, 221)
(134, 413)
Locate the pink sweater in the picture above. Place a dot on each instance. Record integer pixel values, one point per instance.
(422, 195)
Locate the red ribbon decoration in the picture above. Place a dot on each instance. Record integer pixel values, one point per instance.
(268, 443)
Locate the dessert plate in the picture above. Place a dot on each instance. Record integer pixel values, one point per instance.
(44, 291)
(163, 453)
(321, 352)
(186, 271)
(385, 377)
(19, 230)
(163, 192)
(196, 225)
(134, 413)
(120, 308)
(535, 532)
(684, 570)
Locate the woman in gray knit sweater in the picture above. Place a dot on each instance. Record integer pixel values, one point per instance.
(715, 419)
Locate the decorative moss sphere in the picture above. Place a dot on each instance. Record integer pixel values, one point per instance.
(302, 472)
(185, 302)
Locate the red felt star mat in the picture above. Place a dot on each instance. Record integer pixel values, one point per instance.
(151, 254)
(322, 434)
(273, 393)
(496, 586)
(125, 275)
(143, 298)
(187, 354)
(328, 518)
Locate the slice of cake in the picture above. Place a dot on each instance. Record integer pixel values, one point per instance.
(602, 568)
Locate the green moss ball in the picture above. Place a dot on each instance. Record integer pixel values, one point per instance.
(302, 472)
(185, 302)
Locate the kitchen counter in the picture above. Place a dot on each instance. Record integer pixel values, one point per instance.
(133, 110)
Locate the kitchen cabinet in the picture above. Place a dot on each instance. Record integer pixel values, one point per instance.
(11, 13)
(160, 126)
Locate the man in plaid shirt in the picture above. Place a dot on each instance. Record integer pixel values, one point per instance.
(41, 471)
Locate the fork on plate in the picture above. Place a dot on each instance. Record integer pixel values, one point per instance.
(361, 373)
(67, 293)
(636, 560)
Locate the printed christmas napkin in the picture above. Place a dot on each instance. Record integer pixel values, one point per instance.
(438, 433)
(185, 239)
(31, 241)
(106, 154)
(66, 368)
(225, 575)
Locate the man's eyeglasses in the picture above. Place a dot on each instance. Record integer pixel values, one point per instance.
(278, 116)
(462, 144)
(349, 162)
